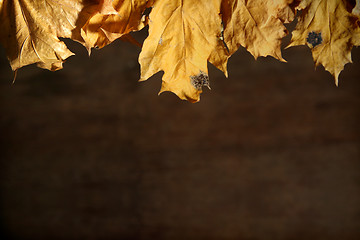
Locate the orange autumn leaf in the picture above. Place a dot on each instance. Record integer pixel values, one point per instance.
(330, 31)
(184, 35)
(256, 25)
(180, 42)
(183, 38)
(30, 30)
(113, 20)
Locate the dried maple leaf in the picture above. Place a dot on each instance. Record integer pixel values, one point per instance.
(330, 30)
(30, 30)
(182, 35)
(113, 20)
(256, 25)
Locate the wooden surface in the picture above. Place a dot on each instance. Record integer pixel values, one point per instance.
(88, 152)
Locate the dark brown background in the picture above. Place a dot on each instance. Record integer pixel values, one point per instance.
(87, 152)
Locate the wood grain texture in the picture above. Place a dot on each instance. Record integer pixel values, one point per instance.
(273, 152)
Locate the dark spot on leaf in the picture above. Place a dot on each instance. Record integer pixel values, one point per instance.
(350, 4)
(147, 11)
(314, 38)
(200, 80)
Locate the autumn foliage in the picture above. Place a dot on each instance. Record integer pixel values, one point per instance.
(184, 35)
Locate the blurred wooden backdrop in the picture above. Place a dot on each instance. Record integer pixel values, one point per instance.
(88, 152)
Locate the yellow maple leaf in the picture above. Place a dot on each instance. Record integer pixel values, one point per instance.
(30, 30)
(182, 35)
(114, 19)
(330, 30)
(256, 25)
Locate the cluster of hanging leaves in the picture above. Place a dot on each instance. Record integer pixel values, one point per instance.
(183, 34)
